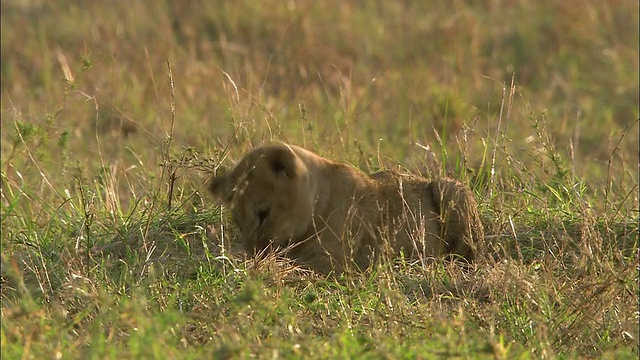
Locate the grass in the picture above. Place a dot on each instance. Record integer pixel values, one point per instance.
(114, 116)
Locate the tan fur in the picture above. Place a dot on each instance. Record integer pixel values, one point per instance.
(330, 216)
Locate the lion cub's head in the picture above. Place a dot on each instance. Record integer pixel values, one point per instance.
(269, 194)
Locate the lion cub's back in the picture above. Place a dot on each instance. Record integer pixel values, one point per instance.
(409, 211)
(409, 185)
(402, 192)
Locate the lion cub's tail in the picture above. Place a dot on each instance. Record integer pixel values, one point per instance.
(461, 228)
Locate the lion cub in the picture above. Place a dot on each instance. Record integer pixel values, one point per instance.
(330, 216)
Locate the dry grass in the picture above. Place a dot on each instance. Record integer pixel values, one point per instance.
(114, 116)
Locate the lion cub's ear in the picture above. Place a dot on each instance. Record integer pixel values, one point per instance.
(282, 159)
(222, 187)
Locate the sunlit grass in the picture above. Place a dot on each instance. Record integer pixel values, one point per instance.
(113, 117)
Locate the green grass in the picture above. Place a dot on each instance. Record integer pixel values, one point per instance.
(113, 117)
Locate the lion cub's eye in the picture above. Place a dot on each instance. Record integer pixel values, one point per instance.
(262, 215)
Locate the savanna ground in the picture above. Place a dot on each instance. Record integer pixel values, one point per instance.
(115, 113)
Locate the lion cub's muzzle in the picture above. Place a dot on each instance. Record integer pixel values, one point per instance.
(256, 242)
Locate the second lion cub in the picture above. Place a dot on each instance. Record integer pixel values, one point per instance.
(330, 216)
